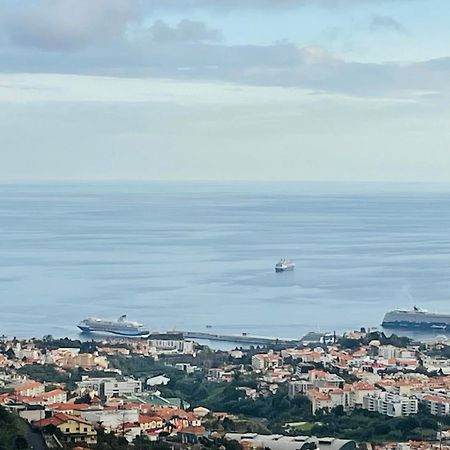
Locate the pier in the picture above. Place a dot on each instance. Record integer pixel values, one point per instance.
(240, 338)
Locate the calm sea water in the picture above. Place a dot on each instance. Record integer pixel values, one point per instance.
(183, 256)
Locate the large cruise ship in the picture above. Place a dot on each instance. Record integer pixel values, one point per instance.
(416, 318)
(284, 265)
(120, 327)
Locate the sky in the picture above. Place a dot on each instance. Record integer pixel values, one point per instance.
(307, 90)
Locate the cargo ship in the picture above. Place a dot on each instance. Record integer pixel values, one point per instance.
(120, 327)
(416, 318)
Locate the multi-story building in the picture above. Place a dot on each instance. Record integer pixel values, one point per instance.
(390, 404)
(361, 390)
(320, 378)
(171, 342)
(438, 405)
(50, 397)
(265, 361)
(119, 388)
(299, 387)
(29, 389)
(321, 400)
(110, 387)
(387, 351)
(302, 355)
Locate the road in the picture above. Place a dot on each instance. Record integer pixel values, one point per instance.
(35, 440)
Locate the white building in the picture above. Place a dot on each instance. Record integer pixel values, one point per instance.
(29, 389)
(388, 351)
(299, 387)
(171, 343)
(112, 420)
(110, 387)
(265, 361)
(119, 388)
(186, 367)
(438, 405)
(159, 380)
(390, 404)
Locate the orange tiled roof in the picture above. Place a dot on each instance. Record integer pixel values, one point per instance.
(362, 386)
(147, 419)
(436, 398)
(49, 394)
(58, 419)
(70, 406)
(314, 393)
(26, 386)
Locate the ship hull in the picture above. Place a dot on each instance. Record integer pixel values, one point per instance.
(284, 269)
(416, 320)
(416, 325)
(114, 332)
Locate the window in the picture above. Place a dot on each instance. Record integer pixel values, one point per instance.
(85, 429)
(67, 430)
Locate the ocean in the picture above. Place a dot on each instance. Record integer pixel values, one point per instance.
(184, 256)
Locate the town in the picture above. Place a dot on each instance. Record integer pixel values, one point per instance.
(360, 390)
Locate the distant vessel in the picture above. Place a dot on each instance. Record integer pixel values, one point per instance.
(284, 265)
(416, 318)
(120, 327)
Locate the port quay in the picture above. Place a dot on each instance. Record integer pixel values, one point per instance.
(241, 339)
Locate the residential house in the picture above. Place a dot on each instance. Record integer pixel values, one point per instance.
(73, 429)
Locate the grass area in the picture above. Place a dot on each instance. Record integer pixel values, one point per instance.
(304, 427)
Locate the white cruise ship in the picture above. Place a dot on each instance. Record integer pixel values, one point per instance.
(120, 327)
(284, 265)
(416, 318)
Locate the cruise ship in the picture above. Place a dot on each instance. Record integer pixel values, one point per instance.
(416, 318)
(120, 327)
(284, 265)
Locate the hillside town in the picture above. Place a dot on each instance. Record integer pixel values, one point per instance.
(361, 390)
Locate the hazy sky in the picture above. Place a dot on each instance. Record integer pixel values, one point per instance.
(225, 89)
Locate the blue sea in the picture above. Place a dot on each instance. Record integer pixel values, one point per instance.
(186, 255)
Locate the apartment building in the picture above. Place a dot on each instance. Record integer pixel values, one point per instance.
(438, 405)
(110, 387)
(265, 361)
(29, 389)
(390, 404)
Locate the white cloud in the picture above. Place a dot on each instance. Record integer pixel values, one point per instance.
(69, 24)
(186, 31)
(62, 88)
(380, 22)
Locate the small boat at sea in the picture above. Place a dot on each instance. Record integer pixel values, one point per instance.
(284, 265)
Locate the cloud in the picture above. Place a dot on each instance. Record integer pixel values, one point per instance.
(281, 65)
(187, 31)
(386, 23)
(192, 50)
(69, 24)
(220, 5)
(103, 135)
